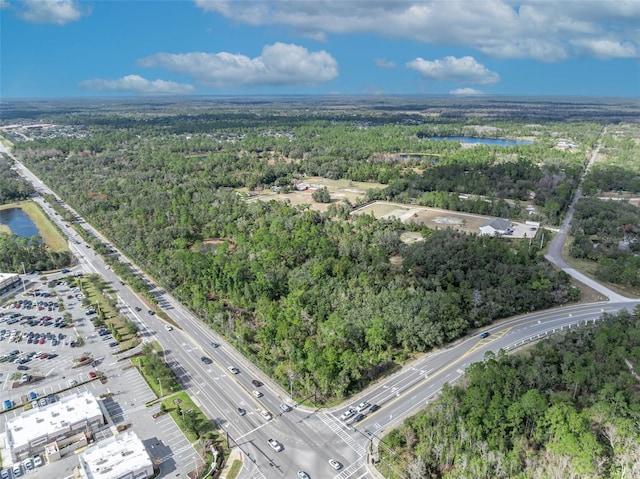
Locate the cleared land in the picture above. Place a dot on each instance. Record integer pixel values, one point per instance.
(438, 219)
(338, 189)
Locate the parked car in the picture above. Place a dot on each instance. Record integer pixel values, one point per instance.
(92, 374)
(8, 404)
(32, 395)
(303, 475)
(37, 461)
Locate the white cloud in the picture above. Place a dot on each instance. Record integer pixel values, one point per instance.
(279, 64)
(382, 63)
(139, 85)
(464, 70)
(541, 29)
(465, 92)
(57, 12)
(4, 4)
(606, 49)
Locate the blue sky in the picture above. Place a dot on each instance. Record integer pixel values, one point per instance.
(69, 48)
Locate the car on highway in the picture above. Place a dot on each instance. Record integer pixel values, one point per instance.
(485, 334)
(347, 414)
(233, 369)
(150, 312)
(138, 308)
(285, 407)
(374, 408)
(206, 360)
(256, 383)
(266, 414)
(257, 394)
(241, 411)
(335, 464)
(214, 345)
(359, 418)
(362, 406)
(168, 328)
(275, 445)
(303, 475)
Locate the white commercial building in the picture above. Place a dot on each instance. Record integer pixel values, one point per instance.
(119, 457)
(8, 281)
(55, 429)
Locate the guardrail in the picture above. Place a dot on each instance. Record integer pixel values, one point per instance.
(550, 331)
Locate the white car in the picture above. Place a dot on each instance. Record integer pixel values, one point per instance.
(257, 394)
(72, 382)
(285, 407)
(362, 406)
(267, 415)
(347, 414)
(335, 464)
(168, 328)
(275, 445)
(37, 461)
(233, 370)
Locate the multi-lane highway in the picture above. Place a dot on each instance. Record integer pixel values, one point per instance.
(310, 437)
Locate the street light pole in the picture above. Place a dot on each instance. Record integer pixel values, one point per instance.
(160, 384)
(24, 273)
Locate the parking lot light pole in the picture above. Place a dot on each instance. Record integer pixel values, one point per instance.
(160, 384)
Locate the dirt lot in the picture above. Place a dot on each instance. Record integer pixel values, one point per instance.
(338, 189)
(440, 219)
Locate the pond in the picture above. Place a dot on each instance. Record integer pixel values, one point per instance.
(482, 141)
(19, 222)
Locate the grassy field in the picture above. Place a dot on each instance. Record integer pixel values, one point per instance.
(50, 235)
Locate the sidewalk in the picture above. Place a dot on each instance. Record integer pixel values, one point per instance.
(236, 454)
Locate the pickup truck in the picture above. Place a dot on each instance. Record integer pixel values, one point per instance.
(275, 445)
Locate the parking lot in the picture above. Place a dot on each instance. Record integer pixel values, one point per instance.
(41, 362)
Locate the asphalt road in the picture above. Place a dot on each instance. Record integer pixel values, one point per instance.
(310, 437)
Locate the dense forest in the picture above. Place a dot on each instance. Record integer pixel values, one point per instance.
(328, 299)
(331, 299)
(12, 187)
(36, 256)
(607, 232)
(568, 407)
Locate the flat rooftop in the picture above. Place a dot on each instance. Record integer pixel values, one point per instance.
(115, 457)
(51, 420)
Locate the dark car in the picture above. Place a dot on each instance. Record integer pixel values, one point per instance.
(113, 344)
(256, 383)
(374, 408)
(206, 360)
(23, 368)
(138, 308)
(241, 411)
(151, 312)
(485, 334)
(359, 418)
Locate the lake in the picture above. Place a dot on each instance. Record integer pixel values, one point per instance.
(19, 222)
(482, 141)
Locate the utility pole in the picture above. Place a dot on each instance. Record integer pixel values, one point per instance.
(24, 273)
